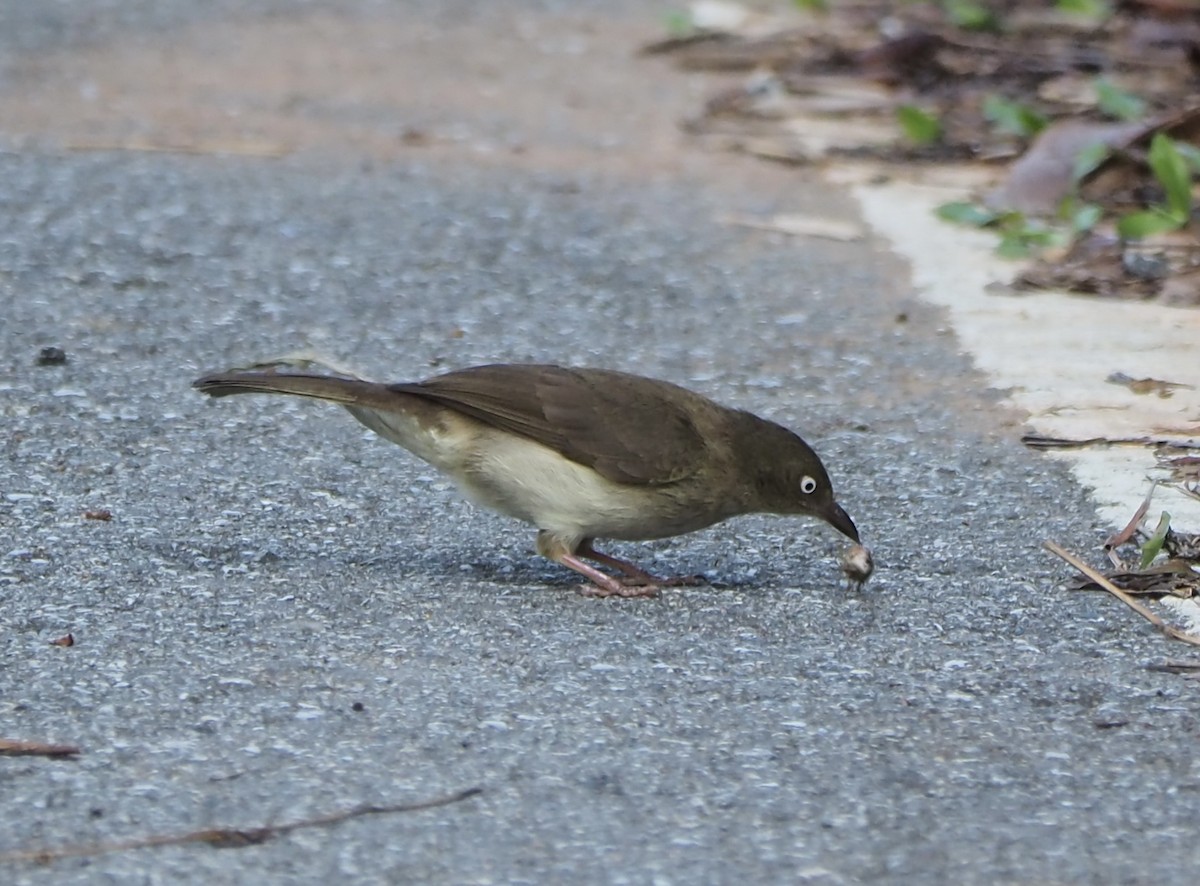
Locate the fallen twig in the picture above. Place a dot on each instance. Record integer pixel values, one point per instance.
(1175, 666)
(1119, 538)
(11, 747)
(1098, 578)
(1037, 441)
(228, 838)
(1175, 577)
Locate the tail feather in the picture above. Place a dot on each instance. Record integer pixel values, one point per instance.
(346, 391)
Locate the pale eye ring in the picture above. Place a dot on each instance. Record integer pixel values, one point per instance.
(808, 485)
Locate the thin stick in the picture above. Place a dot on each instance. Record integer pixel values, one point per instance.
(1119, 538)
(228, 838)
(1179, 487)
(1037, 441)
(11, 747)
(1174, 666)
(1169, 630)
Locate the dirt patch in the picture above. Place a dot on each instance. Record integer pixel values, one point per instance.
(550, 93)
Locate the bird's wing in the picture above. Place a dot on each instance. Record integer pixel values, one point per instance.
(629, 429)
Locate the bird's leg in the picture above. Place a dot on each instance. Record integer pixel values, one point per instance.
(634, 573)
(605, 585)
(553, 548)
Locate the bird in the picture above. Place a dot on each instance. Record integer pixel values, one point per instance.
(581, 454)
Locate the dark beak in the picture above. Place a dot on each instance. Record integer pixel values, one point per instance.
(840, 520)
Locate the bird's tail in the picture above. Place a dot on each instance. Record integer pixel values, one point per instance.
(395, 415)
(347, 391)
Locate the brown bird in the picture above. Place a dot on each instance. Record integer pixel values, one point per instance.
(579, 453)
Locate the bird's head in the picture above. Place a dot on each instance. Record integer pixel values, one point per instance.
(788, 478)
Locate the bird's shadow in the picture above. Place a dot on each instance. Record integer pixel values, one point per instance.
(531, 571)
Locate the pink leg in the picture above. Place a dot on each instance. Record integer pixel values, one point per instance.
(634, 572)
(605, 585)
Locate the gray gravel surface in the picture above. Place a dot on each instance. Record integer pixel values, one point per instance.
(287, 617)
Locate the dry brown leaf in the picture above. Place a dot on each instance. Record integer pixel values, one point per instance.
(1044, 175)
(1163, 389)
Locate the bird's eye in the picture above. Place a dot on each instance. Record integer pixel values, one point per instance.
(808, 485)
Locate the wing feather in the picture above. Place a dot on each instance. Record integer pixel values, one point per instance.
(629, 429)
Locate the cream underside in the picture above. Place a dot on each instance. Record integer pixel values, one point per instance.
(532, 482)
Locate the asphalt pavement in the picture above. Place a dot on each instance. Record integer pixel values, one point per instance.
(287, 617)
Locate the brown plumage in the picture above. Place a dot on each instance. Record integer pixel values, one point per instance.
(579, 453)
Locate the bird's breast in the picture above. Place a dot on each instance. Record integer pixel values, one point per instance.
(536, 484)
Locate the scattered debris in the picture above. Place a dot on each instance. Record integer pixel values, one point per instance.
(51, 356)
(1184, 470)
(1176, 577)
(1167, 569)
(1040, 441)
(1103, 583)
(1175, 666)
(1117, 539)
(227, 838)
(17, 748)
(1039, 180)
(1095, 110)
(1163, 389)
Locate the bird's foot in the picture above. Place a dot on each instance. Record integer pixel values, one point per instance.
(633, 582)
(633, 575)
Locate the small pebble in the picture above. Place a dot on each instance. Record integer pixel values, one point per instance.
(51, 356)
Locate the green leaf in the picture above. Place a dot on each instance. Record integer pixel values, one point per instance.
(1012, 117)
(1014, 246)
(969, 15)
(1191, 154)
(1022, 237)
(1093, 9)
(811, 5)
(1151, 548)
(1043, 236)
(1084, 217)
(1172, 173)
(966, 214)
(1088, 160)
(920, 127)
(1137, 225)
(678, 24)
(1117, 103)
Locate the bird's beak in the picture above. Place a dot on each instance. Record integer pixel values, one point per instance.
(840, 520)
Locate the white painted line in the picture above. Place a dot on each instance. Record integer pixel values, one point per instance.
(1054, 351)
(1187, 613)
